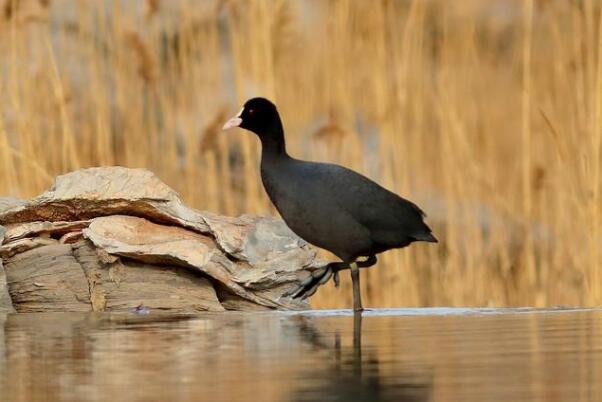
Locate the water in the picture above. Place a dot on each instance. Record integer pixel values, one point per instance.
(388, 355)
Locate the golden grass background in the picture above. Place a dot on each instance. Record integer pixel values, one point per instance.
(486, 113)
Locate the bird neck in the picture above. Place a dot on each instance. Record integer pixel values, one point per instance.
(272, 141)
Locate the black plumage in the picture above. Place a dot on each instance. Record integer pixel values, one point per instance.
(327, 205)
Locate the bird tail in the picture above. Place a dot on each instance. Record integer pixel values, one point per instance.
(428, 237)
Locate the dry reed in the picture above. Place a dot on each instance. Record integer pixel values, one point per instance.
(488, 114)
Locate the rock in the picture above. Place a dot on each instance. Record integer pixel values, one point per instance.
(44, 229)
(89, 193)
(139, 239)
(45, 277)
(116, 238)
(22, 245)
(7, 203)
(6, 305)
(125, 285)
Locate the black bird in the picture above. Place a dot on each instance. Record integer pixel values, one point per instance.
(327, 205)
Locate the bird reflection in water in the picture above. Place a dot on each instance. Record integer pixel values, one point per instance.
(356, 375)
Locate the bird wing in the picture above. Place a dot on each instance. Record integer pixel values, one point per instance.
(370, 204)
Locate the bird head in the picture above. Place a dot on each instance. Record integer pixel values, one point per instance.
(258, 115)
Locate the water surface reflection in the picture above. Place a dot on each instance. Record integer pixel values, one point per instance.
(386, 355)
(356, 376)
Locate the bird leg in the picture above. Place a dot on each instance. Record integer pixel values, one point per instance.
(355, 279)
(337, 266)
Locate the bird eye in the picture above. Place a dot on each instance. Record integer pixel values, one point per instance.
(251, 111)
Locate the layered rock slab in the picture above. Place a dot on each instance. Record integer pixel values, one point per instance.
(116, 238)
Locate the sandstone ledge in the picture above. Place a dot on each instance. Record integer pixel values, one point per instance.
(113, 239)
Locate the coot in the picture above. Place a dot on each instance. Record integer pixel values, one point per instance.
(328, 205)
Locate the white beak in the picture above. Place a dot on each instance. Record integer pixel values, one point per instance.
(234, 122)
